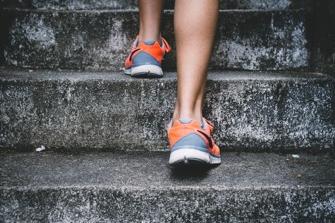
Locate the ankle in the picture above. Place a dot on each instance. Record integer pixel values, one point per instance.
(142, 38)
(187, 115)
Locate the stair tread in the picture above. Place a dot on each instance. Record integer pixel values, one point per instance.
(238, 171)
(65, 10)
(26, 74)
(124, 4)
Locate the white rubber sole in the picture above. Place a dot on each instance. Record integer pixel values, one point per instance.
(145, 71)
(186, 155)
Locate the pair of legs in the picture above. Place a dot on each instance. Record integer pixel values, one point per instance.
(195, 25)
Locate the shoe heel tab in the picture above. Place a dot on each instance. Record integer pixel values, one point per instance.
(185, 120)
(149, 42)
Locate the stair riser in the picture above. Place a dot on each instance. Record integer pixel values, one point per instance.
(96, 40)
(132, 4)
(175, 205)
(269, 115)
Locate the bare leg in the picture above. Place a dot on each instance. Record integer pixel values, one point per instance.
(195, 25)
(150, 14)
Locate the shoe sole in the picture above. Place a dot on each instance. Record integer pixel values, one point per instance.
(190, 156)
(145, 71)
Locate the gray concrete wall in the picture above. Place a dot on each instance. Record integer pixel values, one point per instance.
(100, 40)
(321, 33)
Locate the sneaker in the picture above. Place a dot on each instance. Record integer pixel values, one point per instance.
(208, 126)
(192, 143)
(146, 57)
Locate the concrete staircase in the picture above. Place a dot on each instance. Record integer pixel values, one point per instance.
(139, 187)
(271, 94)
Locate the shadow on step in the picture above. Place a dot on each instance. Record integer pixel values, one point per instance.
(194, 171)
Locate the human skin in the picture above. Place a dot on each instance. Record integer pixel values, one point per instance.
(194, 25)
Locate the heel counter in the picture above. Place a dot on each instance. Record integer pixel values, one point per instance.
(143, 58)
(191, 140)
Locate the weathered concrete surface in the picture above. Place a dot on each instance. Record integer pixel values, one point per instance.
(109, 187)
(322, 34)
(132, 4)
(100, 40)
(77, 110)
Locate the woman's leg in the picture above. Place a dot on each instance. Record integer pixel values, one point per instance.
(150, 14)
(195, 26)
(148, 50)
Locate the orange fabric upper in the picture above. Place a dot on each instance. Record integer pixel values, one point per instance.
(178, 130)
(155, 50)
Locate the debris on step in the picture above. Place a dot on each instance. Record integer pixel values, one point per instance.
(40, 149)
(295, 156)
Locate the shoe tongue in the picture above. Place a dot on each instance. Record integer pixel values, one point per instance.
(149, 42)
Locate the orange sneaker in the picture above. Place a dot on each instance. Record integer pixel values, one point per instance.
(191, 143)
(208, 126)
(145, 58)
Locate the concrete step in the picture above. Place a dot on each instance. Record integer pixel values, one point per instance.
(132, 4)
(253, 111)
(107, 187)
(100, 40)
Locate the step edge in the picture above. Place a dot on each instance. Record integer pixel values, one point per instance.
(166, 188)
(168, 11)
(9, 75)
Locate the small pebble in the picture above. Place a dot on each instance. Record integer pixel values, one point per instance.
(40, 149)
(295, 156)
